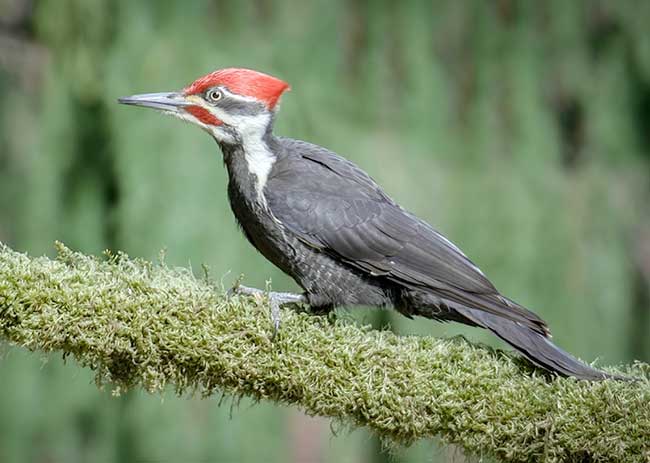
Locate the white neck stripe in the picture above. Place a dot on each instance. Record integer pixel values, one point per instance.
(259, 157)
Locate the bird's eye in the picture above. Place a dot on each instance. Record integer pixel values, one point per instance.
(214, 95)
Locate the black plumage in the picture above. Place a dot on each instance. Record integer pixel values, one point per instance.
(327, 224)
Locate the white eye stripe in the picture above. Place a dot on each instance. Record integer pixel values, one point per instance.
(219, 99)
(236, 96)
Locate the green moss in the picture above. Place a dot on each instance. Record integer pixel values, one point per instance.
(140, 324)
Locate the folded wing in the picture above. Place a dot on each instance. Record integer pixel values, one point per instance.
(333, 206)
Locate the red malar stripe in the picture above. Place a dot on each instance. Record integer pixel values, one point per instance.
(203, 115)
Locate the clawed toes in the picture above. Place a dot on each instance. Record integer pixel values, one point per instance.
(276, 301)
(244, 291)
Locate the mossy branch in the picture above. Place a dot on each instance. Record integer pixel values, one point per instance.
(137, 323)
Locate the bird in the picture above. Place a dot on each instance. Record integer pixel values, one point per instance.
(327, 224)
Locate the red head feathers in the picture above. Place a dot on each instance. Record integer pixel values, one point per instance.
(244, 82)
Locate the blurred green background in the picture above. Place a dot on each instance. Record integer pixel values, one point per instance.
(520, 129)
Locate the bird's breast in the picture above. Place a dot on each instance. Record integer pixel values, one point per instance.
(255, 219)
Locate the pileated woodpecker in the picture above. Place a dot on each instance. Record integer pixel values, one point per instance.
(327, 224)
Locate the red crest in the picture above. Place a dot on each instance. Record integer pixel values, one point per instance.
(246, 82)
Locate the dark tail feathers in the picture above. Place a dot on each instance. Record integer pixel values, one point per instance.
(536, 347)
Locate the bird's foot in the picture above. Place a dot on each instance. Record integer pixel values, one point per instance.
(276, 300)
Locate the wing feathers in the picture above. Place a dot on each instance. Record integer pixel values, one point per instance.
(332, 205)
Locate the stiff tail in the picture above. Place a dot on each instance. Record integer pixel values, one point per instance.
(536, 347)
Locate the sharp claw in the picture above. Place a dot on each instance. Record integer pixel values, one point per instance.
(275, 317)
(276, 326)
(240, 289)
(236, 290)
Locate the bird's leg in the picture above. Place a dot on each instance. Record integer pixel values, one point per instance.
(276, 299)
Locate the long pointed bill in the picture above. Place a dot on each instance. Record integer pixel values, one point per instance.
(166, 101)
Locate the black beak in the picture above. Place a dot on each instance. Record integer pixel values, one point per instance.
(165, 101)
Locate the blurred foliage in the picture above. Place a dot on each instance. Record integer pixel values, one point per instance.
(519, 129)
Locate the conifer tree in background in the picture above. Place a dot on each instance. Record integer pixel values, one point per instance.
(524, 126)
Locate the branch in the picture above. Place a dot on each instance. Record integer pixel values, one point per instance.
(137, 323)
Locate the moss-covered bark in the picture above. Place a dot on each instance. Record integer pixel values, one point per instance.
(141, 324)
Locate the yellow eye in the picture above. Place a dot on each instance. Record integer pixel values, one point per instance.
(214, 95)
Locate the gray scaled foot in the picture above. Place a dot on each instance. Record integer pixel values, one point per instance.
(276, 299)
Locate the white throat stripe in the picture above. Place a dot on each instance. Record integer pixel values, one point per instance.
(259, 157)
